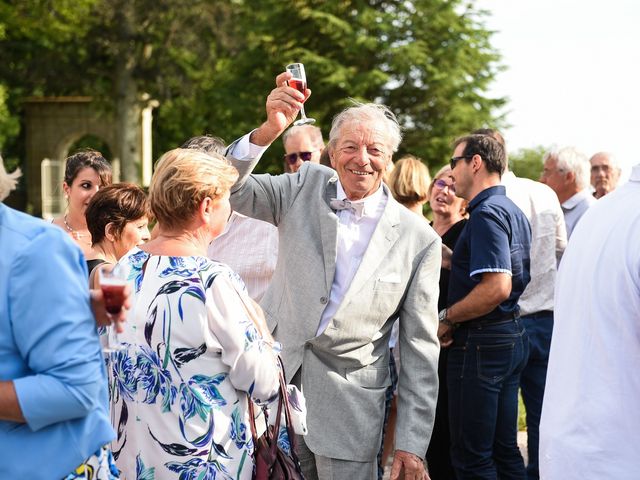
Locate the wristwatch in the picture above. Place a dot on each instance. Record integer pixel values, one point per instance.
(442, 318)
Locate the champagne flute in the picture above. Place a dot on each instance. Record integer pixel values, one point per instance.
(112, 283)
(299, 82)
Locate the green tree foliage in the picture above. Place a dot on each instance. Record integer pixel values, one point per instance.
(211, 63)
(429, 60)
(527, 162)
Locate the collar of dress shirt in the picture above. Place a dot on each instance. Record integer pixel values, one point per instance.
(635, 173)
(576, 199)
(370, 203)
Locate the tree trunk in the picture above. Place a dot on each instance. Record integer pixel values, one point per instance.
(128, 106)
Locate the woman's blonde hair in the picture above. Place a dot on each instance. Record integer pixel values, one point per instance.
(183, 178)
(409, 181)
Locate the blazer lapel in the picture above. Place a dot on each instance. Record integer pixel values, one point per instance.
(383, 238)
(329, 233)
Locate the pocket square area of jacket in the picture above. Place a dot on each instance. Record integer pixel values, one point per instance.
(390, 278)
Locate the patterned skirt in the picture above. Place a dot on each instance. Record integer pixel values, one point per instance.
(99, 466)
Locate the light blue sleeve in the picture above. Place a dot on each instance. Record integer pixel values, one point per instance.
(55, 331)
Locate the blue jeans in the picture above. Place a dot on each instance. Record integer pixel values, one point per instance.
(539, 327)
(483, 377)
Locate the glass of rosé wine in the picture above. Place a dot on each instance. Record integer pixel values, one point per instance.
(299, 82)
(112, 283)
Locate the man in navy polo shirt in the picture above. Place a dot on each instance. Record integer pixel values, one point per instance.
(482, 327)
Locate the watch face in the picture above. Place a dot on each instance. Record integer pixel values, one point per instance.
(442, 315)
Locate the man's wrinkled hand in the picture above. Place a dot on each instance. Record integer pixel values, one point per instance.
(283, 105)
(408, 466)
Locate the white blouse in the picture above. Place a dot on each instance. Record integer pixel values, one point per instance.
(177, 391)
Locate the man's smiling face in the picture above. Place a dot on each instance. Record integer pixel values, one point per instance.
(360, 156)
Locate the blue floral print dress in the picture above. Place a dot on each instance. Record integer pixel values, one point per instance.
(178, 389)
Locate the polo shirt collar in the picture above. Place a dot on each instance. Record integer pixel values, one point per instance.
(486, 193)
(576, 199)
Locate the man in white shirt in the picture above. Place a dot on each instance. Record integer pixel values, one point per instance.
(590, 415)
(566, 171)
(548, 240)
(356, 260)
(248, 246)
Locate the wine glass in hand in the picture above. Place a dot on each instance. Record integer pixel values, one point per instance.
(112, 283)
(299, 82)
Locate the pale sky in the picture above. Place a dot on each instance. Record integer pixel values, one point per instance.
(573, 73)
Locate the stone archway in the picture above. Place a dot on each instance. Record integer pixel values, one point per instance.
(53, 125)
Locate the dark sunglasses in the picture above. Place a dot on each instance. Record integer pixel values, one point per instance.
(455, 160)
(441, 184)
(292, 158)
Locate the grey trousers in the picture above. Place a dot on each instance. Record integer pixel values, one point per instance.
(317, 467)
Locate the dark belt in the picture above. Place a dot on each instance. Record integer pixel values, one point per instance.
(485, 322)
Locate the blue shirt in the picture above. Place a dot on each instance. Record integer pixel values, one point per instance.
(49, 347)
(497, 238)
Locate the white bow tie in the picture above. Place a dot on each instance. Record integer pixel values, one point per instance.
(356, 208)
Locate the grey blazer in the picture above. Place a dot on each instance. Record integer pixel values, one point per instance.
(345, 369)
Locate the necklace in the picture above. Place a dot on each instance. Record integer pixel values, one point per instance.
(74, 233)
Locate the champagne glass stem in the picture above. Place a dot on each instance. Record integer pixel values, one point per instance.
(303, 116)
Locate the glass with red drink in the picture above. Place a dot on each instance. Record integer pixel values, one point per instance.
(113, 284)
(299, 82)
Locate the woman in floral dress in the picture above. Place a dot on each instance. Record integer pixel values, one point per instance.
(192, 351)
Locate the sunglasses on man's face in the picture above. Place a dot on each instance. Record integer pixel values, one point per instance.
(292, 158)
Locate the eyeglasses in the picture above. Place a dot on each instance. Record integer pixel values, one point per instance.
(441, 184)
(455, 160)
(292, 158)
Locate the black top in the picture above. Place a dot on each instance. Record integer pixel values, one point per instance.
(91, 264)
(497, 238)
(449, 238)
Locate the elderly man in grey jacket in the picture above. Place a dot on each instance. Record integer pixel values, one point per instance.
(353, 261)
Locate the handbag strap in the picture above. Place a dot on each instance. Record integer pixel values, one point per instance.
(283, 405)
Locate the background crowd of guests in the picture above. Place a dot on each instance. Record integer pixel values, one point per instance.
(410, 336)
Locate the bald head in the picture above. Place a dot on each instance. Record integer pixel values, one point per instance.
(605, 173)
(305, 139)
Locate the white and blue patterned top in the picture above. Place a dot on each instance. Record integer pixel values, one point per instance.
(178, 390)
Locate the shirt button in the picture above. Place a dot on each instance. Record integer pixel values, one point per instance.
(324, 300)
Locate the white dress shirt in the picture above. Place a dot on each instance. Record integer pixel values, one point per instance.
(250, 248)
(540, 205)
(590, 417)
(354, 234)
(575, 207)
(243, 149)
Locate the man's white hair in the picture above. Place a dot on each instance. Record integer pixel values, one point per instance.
(570, 159)
(613, 160)
(8, 181)
(366, 112)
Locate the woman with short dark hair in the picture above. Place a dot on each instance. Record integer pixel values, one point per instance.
(117, 219)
